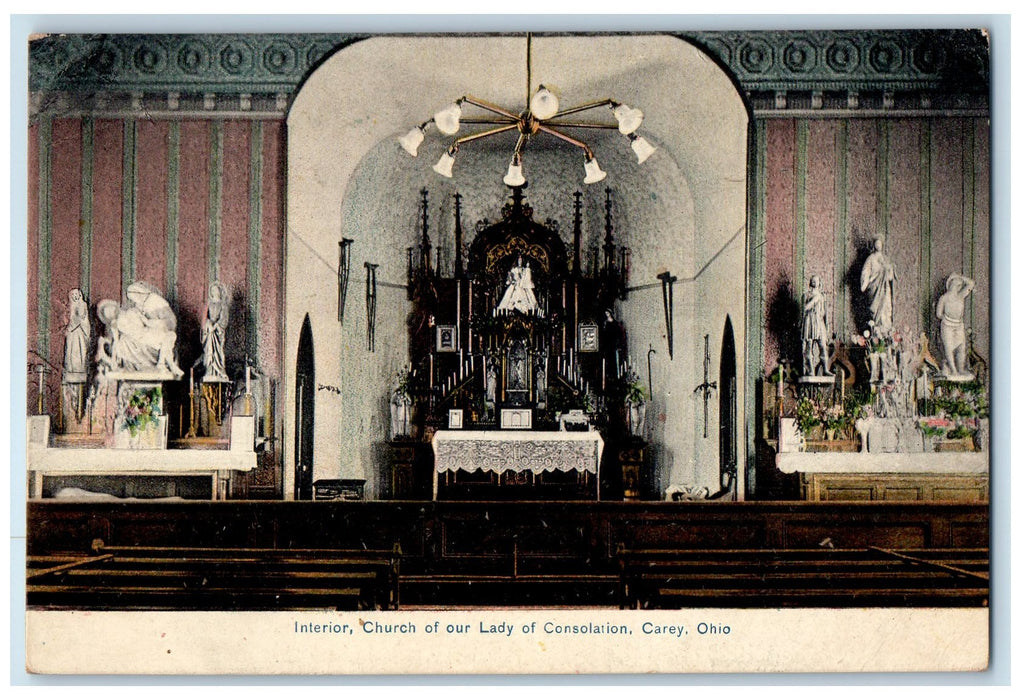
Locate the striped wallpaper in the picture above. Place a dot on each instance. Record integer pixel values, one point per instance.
(829, 186)
(174, 203)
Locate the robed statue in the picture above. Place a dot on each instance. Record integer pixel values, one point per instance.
(877, 277)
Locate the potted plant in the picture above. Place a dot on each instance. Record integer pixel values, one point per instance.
(634, 401)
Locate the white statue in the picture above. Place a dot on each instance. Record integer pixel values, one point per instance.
(877, 277)
(214, 330)
(519, 295)
(491, 385)
(76, 338)
(950, 312)
(815, 331)
(141, 334)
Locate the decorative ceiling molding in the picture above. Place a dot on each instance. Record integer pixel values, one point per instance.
(780, 72)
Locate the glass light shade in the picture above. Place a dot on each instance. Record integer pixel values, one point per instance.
(445, 165)
(628, 119)
(514, 176)
(448, 119)
(642, 148)
(593, 173)
(544, 104)
(412, 140)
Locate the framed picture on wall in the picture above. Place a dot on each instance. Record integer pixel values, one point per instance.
(455, 418)
(446, 338)
(588, 337)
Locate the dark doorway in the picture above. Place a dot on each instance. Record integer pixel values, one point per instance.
(728, 411)
(304, 411)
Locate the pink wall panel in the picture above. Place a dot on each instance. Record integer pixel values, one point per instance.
(234, 215)
(947, 205)
(271, 312)
(151, 202)
(193, 221)
(108, 144)
(32, 238)
(780, 155)
(820, 208)
(861, 182)
(65, 204)
(981, 296)
(903, 244)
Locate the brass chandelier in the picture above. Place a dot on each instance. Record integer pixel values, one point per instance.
(542, 115)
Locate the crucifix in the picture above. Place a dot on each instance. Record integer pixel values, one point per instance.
(668, 308)
(370, 305)
(705, 387)
(343, 275)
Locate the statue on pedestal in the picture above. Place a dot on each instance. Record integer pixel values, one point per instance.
(815, 332)
(519, 295)
(76, 339)
(141, 334)
(950, 312)
(214, 330)
(877, 277)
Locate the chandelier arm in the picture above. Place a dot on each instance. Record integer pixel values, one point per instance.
(489, 106)
(579, 125)
(580, 144)
(521, 143)
(483, 134)
(492, 121)
(591, 105)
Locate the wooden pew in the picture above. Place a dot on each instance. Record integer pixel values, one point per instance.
(193, 578)
(873, 577)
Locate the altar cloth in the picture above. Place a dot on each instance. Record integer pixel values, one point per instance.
(513, 451)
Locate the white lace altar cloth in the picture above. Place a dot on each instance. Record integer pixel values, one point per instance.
(502, 451)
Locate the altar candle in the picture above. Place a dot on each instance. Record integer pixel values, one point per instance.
(248, 379)
(604, 374)
(841, 386)
(191, 383)
(779, 389)
(430, 370)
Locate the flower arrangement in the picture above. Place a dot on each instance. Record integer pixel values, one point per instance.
(935, 426)
(807, 415)
(634, 392)
(143, 409)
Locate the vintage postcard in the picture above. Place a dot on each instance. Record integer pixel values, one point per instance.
(656, 352)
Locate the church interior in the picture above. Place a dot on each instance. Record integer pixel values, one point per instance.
(635, 320)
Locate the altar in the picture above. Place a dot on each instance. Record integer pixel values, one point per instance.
(509, 451)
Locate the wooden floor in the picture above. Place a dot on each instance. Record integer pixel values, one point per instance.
(535, 553)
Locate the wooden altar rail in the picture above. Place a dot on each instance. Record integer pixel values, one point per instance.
(872, 577)
(199, 578)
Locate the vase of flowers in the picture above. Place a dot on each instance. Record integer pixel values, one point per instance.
(142, 419)
(634, 401)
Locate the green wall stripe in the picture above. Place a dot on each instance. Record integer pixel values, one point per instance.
(85, 227)
(882, 178)
(215, 201)
(173, 206)
(925, 234)
(755, 334)
(840, 230)
(128, 197)
(800, 197)
(254, 235)
(45, 234)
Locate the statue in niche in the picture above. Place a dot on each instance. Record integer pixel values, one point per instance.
(815, 354)
(877, 277)
(517, 367)
(214, 331)
(540, 382)
(141, 334)
(520, 294)
(491, 387)
(950, 312)
(76, 339)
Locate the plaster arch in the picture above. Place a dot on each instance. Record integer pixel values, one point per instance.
(683, 210)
